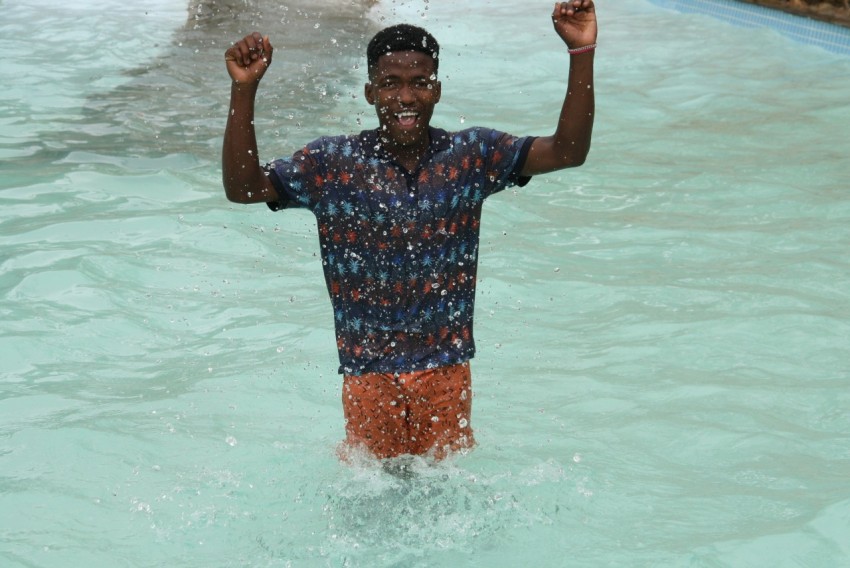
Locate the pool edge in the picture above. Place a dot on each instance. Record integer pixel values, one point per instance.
(829, 36)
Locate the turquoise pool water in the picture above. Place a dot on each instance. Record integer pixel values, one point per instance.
(664, 333)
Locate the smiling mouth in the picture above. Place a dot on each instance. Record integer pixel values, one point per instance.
(407, 118)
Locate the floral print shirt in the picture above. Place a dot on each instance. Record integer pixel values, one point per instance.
(400, 249)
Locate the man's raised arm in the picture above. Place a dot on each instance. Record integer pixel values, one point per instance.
(575, 23)
(244, 180)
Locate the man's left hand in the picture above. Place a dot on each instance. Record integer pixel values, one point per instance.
(575, 22)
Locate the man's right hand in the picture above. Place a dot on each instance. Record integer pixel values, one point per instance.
(244, 180)
(248, 58)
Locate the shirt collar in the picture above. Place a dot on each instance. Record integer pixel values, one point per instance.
(371, 143)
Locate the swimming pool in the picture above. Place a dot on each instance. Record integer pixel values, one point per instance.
(664, 333)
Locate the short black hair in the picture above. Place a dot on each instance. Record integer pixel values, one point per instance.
(402, 37)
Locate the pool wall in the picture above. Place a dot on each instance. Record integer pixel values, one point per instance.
(826, 35)
(834, 11)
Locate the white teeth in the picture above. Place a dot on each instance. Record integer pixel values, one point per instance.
(407, 114)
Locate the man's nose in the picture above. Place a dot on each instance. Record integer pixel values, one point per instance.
(405, 94)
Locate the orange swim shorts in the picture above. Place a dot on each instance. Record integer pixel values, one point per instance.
(409, 413)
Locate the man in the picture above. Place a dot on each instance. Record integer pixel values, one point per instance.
(398, 211)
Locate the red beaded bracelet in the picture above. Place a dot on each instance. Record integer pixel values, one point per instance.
(584, 49)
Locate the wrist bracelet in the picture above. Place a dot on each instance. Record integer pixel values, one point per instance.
(584, 49)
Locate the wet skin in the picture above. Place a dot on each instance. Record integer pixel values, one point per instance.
(403, 88)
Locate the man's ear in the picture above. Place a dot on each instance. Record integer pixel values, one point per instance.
(438, 91)
(369, 91)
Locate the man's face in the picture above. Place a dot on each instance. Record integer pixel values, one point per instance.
(403, 87)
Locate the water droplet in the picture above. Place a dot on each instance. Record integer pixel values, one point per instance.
(463, 423)
(462, 119)
(231, 441)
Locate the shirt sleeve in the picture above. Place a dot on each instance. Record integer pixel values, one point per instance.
(298, 178)
(504, 157)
